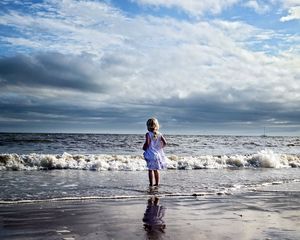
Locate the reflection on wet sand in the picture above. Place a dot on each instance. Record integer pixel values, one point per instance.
(154, 223)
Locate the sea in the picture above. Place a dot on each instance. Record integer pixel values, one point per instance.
(38, 167)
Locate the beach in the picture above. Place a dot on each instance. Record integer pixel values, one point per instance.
(264, 214)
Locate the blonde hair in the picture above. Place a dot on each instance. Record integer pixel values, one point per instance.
(153, 126)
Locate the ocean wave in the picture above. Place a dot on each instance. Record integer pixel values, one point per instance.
(106, 162)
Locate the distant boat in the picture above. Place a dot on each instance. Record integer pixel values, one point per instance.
(264, 135)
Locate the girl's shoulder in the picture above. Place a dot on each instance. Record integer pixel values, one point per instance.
(149, 134)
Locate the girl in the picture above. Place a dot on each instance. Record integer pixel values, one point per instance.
(154, 154)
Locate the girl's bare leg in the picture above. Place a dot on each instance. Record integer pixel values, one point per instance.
(156, 176)
(150, 174)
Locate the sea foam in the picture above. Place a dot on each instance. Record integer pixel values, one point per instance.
(110, 162)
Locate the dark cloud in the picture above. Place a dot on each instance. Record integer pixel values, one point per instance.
(32, 110)
(52, 70)
(212, 109)
(174, 115)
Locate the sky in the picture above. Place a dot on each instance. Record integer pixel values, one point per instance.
(200, 67)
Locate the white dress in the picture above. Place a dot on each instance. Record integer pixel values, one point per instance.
(154, 154)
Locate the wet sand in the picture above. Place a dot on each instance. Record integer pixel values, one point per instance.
(273, 214)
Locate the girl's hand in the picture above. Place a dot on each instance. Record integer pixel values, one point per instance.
(145, 146)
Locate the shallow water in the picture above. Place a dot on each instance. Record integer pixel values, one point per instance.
(34, 185)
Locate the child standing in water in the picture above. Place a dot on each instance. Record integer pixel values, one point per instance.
(154, 153)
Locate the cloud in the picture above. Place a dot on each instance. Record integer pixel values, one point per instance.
(258, 7)
(192, 7)
(293, 14)
(65, 25)
(53, 70)
(290, 3)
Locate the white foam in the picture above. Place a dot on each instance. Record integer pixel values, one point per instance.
(106, 162)
(268, 159)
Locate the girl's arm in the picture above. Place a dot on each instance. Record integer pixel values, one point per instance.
(164, 142)
(147, 142)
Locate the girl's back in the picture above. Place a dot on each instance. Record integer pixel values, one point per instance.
(155, 141)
